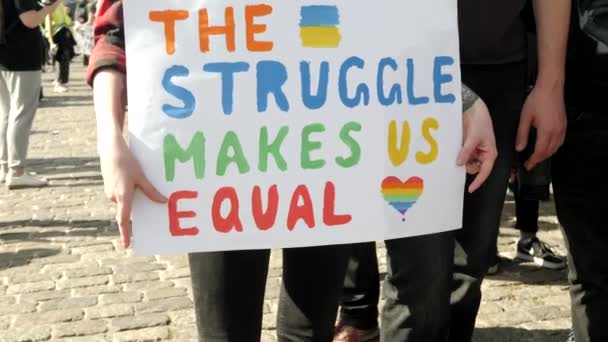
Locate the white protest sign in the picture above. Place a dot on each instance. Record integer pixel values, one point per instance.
(293, 123)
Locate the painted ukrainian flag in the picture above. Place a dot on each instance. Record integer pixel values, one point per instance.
(319, 26)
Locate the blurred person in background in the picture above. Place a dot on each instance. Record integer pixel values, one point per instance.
(58, 27)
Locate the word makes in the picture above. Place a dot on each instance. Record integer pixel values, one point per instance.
(301, 208)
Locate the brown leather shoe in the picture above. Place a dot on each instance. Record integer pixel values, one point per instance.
(347, 333)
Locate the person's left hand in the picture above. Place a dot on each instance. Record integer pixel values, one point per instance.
(545, 110)
(479, 144)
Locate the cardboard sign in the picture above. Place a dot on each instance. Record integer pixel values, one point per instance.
(274, 124)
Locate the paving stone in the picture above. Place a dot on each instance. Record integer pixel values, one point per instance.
(110, 311)
(183, 318)
(83, 282)
(55, 316)
(30, 278)
(141, 335)
(59, 259)
(166, 293)
(5, 323)
(140, 321)
(81, 328)
(175, 273)
(95, 338)
(148, 285)
(164, 305)
(47, 295)
(138, 267)
(17, 308)
(88, 272)
(96, 290)
(31, 287)
(121, 298)
(31, 333)
(59, 304)
(127, 260)
(135, 277)
(7, 300)
(92, 249)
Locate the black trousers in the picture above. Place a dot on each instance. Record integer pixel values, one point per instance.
(526, 211)
(418, 278)
(65, 52)
(228, 289)
(580, 171)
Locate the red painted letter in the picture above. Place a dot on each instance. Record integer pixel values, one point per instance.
(304, 212)
(251, 12)
(168, 18)
(329, 209)
(204, 30)
(265, 220)
(175, 215)
(232, 220)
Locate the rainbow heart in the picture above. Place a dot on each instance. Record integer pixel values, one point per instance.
(402, 195)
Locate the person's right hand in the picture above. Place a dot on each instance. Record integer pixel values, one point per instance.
(122, 174)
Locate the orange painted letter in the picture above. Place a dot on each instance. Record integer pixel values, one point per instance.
(232, 220)
(169, 17)
(251, 12)
(329, 209)
(265, 220)
(300, 212)
(175, 216)
(204, 30)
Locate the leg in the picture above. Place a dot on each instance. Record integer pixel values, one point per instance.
(526, 213)
(503, 89)
(228, 289)
(24, 87)
(5, 107)
(580, 186)
(310, 293)
(417, 289)
(359, 303)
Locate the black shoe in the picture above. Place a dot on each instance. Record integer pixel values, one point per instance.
(495, 267)
(538, 252)
(571, 336)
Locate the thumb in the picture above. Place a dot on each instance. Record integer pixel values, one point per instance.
(150, 191)
(523, 131)
(465, 153)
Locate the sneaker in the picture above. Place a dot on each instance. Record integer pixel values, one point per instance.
(538, 252)
(571, 336)
(347, 333)
(60, 88)
(24, 181)
(493, 270)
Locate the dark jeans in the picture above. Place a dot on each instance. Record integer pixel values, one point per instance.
(580, 169)
(502, 87)
(65, 53)
(416, 288)
(228, 289)
(526, 212)
(418, 280)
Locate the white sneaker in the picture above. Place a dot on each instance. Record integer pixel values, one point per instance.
(24, 181)
(59, 88)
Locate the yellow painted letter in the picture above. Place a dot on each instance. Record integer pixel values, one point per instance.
(431, 156)
(398, 154)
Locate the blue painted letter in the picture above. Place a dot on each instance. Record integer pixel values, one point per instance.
(314, 101)
(411, 97)
(181, 93)
(362, 89)
(227, 70)
(439, 79)
(395, 92)
(271, 76)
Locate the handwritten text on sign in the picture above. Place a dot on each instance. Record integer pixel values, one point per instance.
(282, 125)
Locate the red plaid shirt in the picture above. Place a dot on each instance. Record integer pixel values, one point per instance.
(109, 51)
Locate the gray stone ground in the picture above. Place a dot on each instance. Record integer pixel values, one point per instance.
(64, 276)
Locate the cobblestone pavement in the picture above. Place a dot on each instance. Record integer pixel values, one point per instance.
(64, 276)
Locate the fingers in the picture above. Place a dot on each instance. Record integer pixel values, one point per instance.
(123, 215)
(150, 191)
(523, 131)
(466, 152)
(484, 172)
(542, 150)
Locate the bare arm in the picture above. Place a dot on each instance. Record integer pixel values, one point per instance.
(33, 19)
(544, 108)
